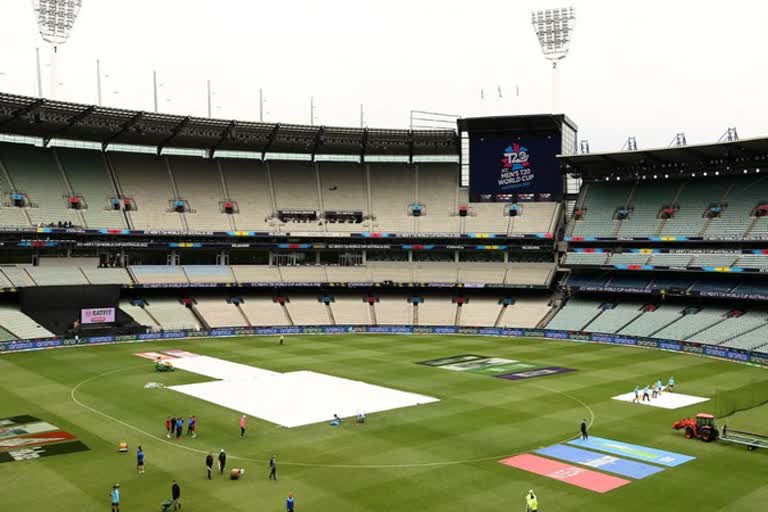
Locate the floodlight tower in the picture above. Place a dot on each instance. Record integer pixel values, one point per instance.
(55, 19)
(553, 28)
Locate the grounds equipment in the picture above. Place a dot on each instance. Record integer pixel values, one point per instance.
(750, 440)
(701, 427)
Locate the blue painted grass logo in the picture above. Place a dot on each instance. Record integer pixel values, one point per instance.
(515, 168)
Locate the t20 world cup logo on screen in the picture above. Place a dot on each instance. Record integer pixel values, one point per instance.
(515, 157)
(515, 168)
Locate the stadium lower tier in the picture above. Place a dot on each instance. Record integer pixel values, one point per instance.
(164, 312)
(743, 327)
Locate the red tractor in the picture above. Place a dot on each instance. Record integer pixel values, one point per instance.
(702, 427)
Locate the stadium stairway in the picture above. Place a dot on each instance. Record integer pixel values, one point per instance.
(68, 185)
(226, 196)
(500, 316)
(286, 314)
(592, 320)
(746, 332)
(675, 202)
(661, 327)
(331, 318)
(242, 313)
(151, 317)
(557, 304)
(198, 315)
(112, 173)
(692, 336)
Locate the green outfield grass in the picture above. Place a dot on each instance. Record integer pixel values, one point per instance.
(436, 457)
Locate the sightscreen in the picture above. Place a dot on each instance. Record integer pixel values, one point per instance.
(514, 167)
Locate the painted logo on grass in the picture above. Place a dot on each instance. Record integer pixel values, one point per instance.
(461, 358)
(510, 369)
(540, 372)
(27, 438)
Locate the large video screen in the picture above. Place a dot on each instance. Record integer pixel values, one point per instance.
(514, 167)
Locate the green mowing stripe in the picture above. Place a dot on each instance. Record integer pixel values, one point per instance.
(360, 468)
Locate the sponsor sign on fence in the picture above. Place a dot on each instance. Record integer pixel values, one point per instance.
(671, 345)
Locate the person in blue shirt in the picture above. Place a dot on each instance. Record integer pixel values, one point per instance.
(646, 394)
(659, 386)
(637, 394)
(115, 494)
(140, 460)
(289, 503)
(179, 426)
(191, 426)
(671, 384)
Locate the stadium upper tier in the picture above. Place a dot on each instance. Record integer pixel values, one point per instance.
(94, 190)
(733, 207)
(518, 274)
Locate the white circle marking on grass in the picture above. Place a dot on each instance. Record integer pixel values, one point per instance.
(73, 396)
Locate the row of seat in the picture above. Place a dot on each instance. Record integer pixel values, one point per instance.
(382, 192)
(736, 197)
(253, 310)
(723, 326)
(656, 282)
(667, 259)
(521, 274)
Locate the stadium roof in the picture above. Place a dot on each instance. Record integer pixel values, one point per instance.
(531, 124)
(724, 157)
(51, 119)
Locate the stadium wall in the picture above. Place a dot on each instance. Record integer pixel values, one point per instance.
(735, 355)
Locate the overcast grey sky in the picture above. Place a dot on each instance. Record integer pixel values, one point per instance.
(648, 69)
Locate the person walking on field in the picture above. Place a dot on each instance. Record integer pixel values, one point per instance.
(584, 434)
(168, 426)
(176, 493)
(273, 468)
(209, 464)
(242, 425)
(172, 429)
(222, 461)
(115, 494)
(282, 339)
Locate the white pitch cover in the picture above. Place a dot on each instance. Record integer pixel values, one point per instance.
(289, 399)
